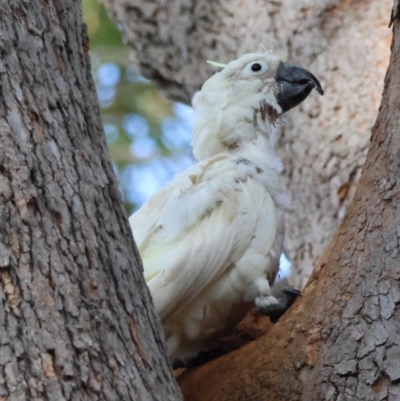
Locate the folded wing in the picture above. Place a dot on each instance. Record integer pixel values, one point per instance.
(198, 227)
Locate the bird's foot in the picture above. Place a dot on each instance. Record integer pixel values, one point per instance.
(275, 310)
(200, 359)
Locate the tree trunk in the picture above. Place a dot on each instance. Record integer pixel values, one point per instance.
(341, 340)
(76, 318)
(346, 45)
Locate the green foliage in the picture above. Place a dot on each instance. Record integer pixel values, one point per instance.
(102, 31)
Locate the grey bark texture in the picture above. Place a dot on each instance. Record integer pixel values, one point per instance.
(340, 341)
(325, 140)
(76, 318)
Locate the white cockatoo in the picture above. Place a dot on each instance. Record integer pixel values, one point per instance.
(211, 240)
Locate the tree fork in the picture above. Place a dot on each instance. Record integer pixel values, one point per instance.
(340, 340)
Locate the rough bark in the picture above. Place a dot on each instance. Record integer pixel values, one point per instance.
(344, 42)
(76, 318)
(341, 340)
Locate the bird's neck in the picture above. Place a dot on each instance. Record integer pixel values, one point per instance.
(252, 144)
(250, 134)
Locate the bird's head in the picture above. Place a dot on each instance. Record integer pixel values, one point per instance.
(244, 99)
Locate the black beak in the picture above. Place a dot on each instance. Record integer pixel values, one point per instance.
(294, 85)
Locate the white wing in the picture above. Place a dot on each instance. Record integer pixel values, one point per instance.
(196, 228)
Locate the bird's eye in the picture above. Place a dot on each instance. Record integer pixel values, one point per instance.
(256, 68)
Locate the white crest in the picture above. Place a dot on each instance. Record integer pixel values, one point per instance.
(215, 64)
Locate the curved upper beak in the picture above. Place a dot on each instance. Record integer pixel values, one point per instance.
(294, 85)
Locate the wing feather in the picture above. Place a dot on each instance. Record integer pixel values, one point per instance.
(195, 229)
(199, 226)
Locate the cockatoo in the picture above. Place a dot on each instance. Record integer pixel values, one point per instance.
(211, 240)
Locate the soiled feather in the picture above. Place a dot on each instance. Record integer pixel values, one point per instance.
(206, 242)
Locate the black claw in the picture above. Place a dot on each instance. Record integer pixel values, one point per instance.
(178, 363)
(200, 359)
(274, 312)
(291, 293)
